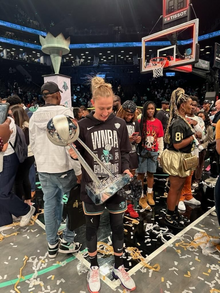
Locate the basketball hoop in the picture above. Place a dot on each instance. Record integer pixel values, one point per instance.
(158, 63)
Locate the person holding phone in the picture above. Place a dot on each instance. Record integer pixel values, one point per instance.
(150, 149)
(11, 204)
(128, 112)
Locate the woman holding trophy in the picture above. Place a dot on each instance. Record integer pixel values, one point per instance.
(107, 137)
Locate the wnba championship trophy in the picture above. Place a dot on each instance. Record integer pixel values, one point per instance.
(63, 130)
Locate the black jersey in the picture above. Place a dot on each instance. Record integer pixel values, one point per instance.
(109, 141)
(180, 130)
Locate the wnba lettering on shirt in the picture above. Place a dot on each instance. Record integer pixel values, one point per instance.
(101, 138)
(105, 144)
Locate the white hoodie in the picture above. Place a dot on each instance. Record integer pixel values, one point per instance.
(49, 157)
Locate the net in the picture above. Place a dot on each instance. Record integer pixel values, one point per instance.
(158, 63)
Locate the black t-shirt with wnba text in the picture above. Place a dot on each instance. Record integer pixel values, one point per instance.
(180, 130)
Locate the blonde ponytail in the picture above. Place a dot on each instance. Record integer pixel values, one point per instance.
(100, 88)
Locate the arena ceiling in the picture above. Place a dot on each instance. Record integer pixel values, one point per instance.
(58, 15)
(102, 13)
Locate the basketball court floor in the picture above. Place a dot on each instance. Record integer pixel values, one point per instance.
(159, 260)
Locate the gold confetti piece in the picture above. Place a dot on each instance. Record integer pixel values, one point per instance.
(20, 274)
(197, 259)
(138, 244)
(178, 251)
(209, 271)
(205, 274)
(52, 278)
(213, 290)
(162, 279)
(103, 278)
(188, 274)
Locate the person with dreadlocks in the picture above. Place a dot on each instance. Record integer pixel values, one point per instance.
(180, 138)
(150, 148)
(128, 112)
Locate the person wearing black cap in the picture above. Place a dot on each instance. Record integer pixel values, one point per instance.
(55, 170)
(128, 113)
(206, 106)
(163, 114)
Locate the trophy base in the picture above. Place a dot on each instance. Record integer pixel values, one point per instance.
(99, 194)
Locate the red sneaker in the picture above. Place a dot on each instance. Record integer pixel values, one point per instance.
(131, 211)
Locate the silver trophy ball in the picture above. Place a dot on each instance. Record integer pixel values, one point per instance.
(62, 130)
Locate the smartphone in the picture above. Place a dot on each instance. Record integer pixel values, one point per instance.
(3, 112)
(135, 134)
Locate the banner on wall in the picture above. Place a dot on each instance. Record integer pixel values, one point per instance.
(63, 82)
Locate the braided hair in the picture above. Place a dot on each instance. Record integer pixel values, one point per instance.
(143, 122)
(178, 97)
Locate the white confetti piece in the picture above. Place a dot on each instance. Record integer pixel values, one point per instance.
(200, 278)
(5, 262)
(5, 276)
(172, 269)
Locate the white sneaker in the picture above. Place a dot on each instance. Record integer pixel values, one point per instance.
(193, 201)
(93, 279)
(69, 247)
(181, 206)
(124, 277)
(26, 218)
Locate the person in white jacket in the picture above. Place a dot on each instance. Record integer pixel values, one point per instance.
(55, 170)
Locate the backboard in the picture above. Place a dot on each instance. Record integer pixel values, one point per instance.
(171, 48)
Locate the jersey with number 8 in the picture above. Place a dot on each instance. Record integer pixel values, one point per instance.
(180, 130)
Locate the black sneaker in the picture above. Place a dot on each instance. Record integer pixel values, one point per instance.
(53, 250)
(171, 222)
(69, 247)
(183, 220)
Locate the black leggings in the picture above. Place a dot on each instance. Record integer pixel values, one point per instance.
(117, 227)
(22, 184)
